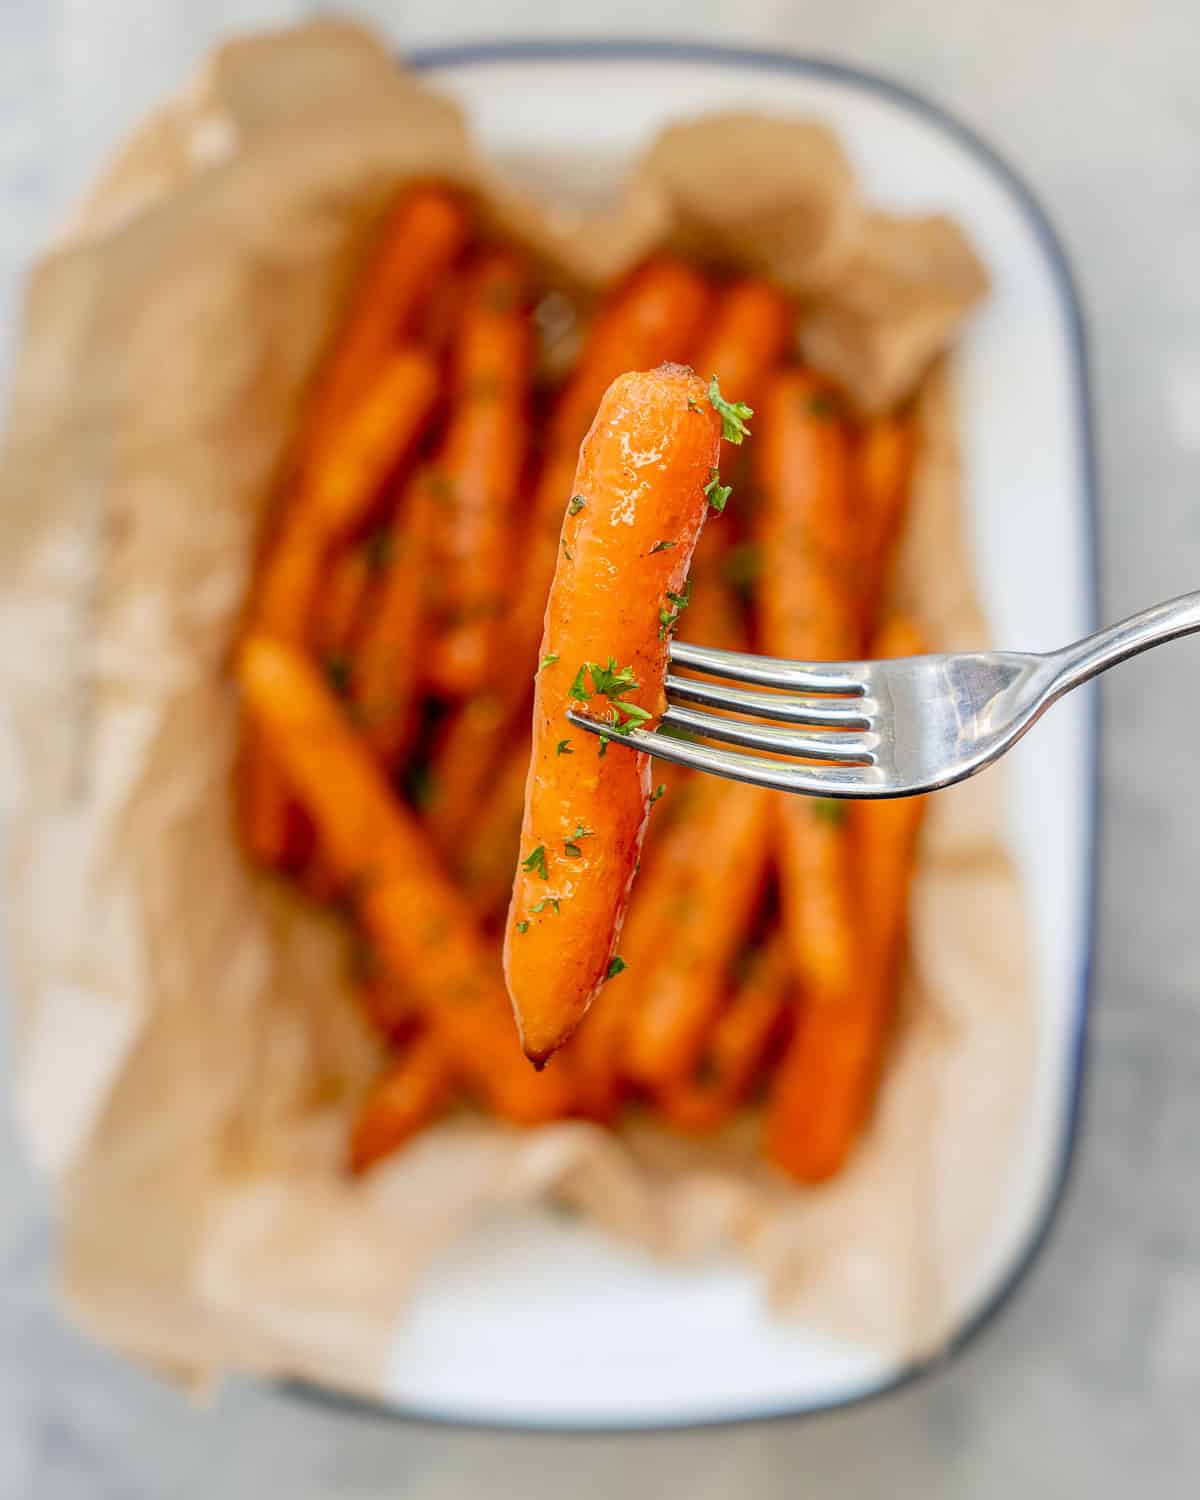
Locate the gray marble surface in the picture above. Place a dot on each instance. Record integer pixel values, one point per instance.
(1090, 1383)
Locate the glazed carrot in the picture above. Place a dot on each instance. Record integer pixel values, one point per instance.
(388, 1005)
(379, 432)
(725, 1071)
(823, 1092)
(412, 1091)
(484, 861)
(410, 912)
(636, 508)
(703, 925)
(464, 761)
(808, 611)
(419, 239)
(748, 338)
(654, 316)
(597, 1048)
(480, 468)
(883, 465)
(341, 597)
(384, 674)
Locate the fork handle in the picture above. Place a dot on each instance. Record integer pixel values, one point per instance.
(1150, 627)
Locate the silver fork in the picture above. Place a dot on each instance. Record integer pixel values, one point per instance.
(876, 728)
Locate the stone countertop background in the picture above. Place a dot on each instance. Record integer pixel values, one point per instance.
(1090, 1381)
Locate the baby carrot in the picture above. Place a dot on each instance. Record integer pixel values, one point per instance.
(704, 923)
(384, 674)
(883, 464)
(418, 241)
(411, 1092)
(480, 469)
(823, 1093)
(724, 1073)
(409, 909)
(635, 511)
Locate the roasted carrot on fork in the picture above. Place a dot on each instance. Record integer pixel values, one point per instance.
(410, 911)
(634, 512)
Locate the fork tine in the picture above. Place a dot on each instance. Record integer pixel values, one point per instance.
(781, 775)
(784, 708)
(829, 744)
(772, 671)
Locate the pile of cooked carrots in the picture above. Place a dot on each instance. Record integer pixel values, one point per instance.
(387, 668)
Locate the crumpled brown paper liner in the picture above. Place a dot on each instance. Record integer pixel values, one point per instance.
(185, 1062)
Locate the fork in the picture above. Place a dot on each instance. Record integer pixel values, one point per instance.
(875, 728)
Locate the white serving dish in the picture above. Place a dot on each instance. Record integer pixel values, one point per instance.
(621, 1341)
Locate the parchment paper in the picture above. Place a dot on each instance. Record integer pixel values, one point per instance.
(186, 1058)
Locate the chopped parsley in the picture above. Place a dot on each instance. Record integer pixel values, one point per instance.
(693, 405)
(572, 851)
(659, 791)
(578, 688)
(616, 966)
(567, 552)
(522, 926)
(733, 414)
(612, 681)
(581, 832)
(575, 504)
(631, 715)
(716, 493)
(552, 901)
(564, 747)
(536, 862)
(664, 546)
(548, 660)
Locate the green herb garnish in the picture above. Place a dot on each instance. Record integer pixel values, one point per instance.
(551, 901)
(578, 688)
(548, 660)
(659, 791)
(564, 747)
(536, 862)
(716, 493)
(567, 552)
(572, 851)
(522, 926)
(575, 504)
(733, 414)
(618, 964)
(377, 549)
(663, 546)
(612, 681)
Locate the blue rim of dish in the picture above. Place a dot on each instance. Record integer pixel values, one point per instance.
(628, 49)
